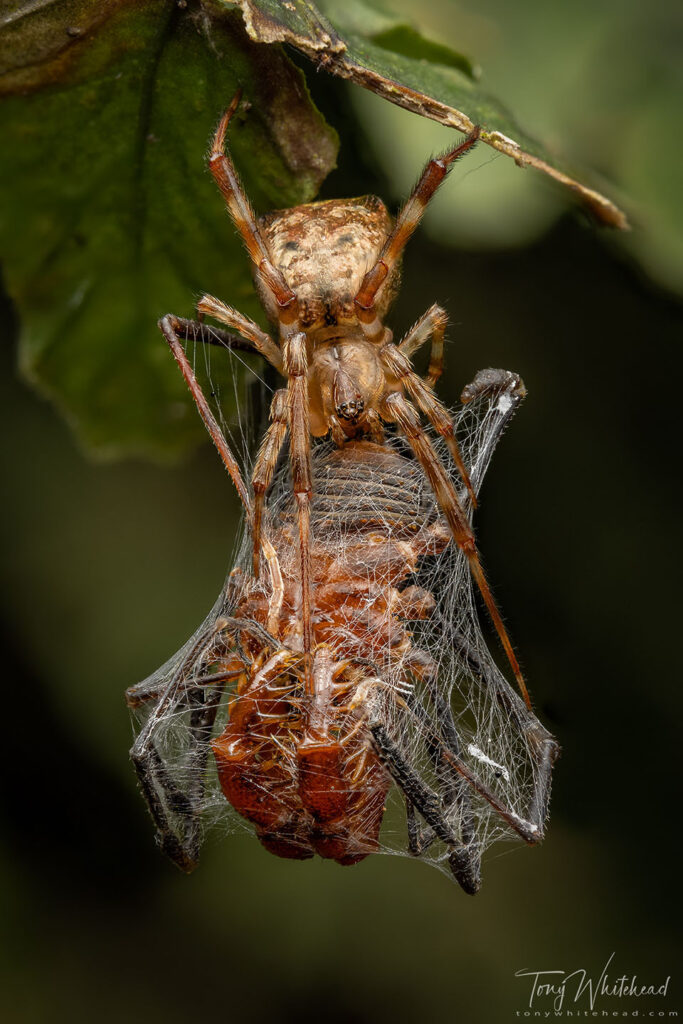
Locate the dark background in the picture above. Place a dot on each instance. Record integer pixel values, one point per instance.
(108, 569)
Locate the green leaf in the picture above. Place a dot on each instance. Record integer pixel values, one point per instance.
(405, 40)
(113, 218)
(350, 38)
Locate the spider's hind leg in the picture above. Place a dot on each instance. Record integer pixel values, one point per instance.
(398, 410)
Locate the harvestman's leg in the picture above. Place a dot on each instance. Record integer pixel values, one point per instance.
(162, 794)
(424, 799)
(544, 747)
(464, 857)
(398, 410)
(399, 365)
(431, 324)
(406, 222)
(419, 838)
(456, 790)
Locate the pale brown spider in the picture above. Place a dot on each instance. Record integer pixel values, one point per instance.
(326, 274)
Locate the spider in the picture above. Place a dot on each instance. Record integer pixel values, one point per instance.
(310, 638)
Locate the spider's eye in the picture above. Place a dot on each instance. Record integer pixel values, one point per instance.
(351, 410)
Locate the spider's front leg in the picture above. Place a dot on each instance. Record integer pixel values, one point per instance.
(258, 339)
(408, 219)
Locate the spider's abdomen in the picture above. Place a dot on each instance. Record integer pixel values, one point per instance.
(365, 486)
(298, 765)
(324, 250)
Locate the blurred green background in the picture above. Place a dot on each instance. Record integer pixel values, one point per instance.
(109, 568)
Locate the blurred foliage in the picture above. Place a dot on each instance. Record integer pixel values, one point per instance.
(113, 221)
(600, 81)
(365, 44)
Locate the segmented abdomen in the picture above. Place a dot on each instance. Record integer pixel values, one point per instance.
(298, 764)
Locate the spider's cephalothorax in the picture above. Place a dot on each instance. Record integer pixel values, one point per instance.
(324, 250)
(315, 641)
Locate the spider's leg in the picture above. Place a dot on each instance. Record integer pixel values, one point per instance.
(400, 367)
(425, 800)
(260, 341)
(226, 178)
(296, 364)
(431, 324)
(266, 462)
(398, 410)
(406, 222)
(168, 328)
(195, 330)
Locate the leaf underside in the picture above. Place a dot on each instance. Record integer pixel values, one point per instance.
(351, 39)
(114, 220)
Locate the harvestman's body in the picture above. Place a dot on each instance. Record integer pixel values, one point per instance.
(326, 274)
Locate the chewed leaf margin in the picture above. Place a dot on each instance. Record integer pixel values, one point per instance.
(351, 40)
